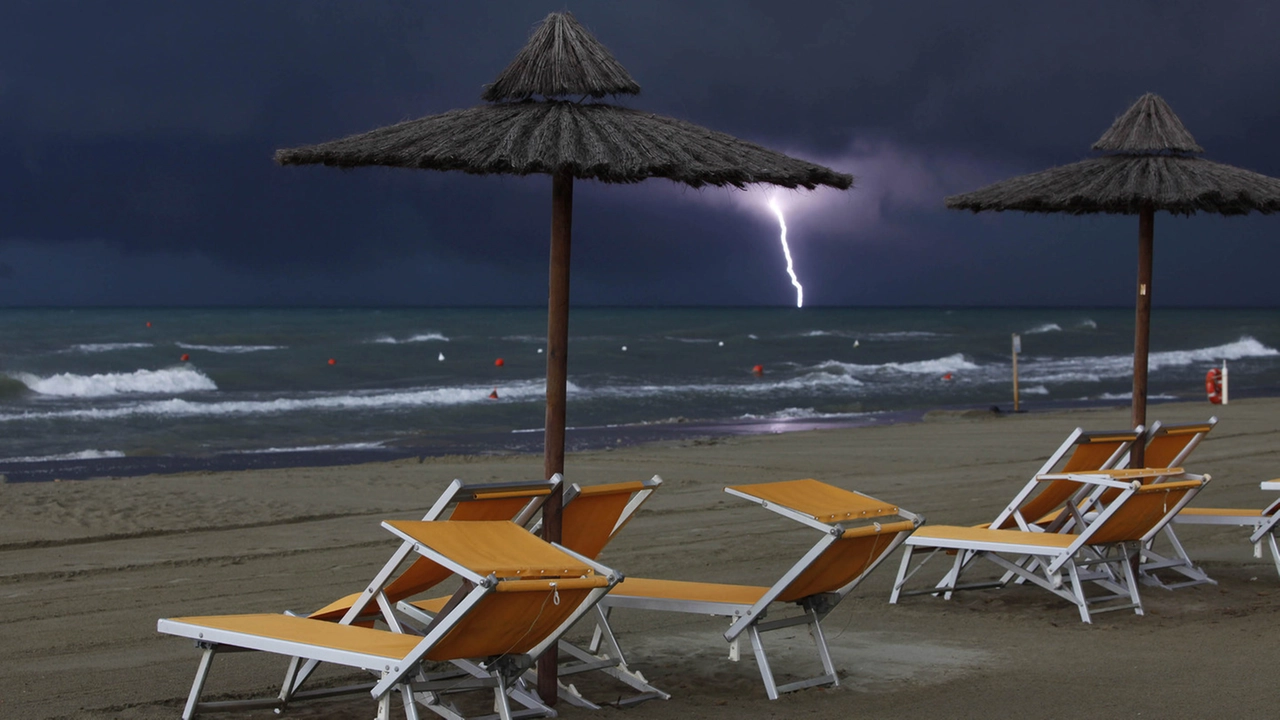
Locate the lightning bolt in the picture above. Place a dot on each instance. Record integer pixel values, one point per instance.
(786, 251)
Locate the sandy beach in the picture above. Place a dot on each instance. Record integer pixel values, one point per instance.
(86, 568)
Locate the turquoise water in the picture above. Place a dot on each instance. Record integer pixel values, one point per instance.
(91, 383)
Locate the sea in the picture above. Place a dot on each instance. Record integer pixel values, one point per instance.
(94, 392)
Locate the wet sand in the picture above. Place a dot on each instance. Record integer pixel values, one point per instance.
(86, 568)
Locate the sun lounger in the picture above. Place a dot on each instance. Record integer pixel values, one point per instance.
(1103, 539)
(591, 517)
(518, 594)
(1083, 451)
(1264, 523)
(1170, 446)
(855, 539)
(461, 501)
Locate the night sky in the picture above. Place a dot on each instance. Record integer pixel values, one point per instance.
(136, 143)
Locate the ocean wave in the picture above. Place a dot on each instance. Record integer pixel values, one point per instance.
(797, 413)
(310, 448)
(107, 347)
(1088, 324)
(1107, 367)
(1245, 347)
(1047, 327)
(394, 400)
(1129, 396)
(856, 335)
(420, 337)
(935, 366)
(82, 455)
(231, 349)
(695, 341)
(167, 381)
(1034, 390)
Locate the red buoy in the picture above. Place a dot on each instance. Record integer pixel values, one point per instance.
(494, 395)
(185, 357)
(498, 363)
(758, 369)
(947, 376)
(332, 361)
(148, 323)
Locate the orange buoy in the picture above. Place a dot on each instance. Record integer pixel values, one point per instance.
(947, 376)
(494, 395)
(1213, 386)
(185, 357)
(498, 363)
(332, 361)
(758, 369)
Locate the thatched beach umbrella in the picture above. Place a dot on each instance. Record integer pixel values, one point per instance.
(1150, 165)
(538, 121)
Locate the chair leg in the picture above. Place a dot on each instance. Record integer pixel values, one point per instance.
(819, 639)
(197, 686)
(500, 703)
(1078, 590)
(770, 687)
(1275, 551)
(902, 574)
(410, 707)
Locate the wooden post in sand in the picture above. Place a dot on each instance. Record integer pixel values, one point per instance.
(557, 384)
(1142, 329)
(1017, 348)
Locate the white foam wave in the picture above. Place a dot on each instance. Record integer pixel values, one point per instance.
(853, 335)
(796, 413)
(108, 347)
(420, 337)
(696, 341)
(935, 366)
(231, 349)
(394, 400)
(1087, 323)
(1047, 327)
(904, 335)
(1098, 368)
(166, 381)
(1129, 396)
(1034, 390)
(82, 455)
(310, 448)
(1245, 347)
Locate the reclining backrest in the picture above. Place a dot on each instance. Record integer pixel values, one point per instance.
(845, 560)
(1082, 451)
(1169, 445)
(1144, 511)
(592, 515)
(515, 501)
(534, 587)
(832, 566)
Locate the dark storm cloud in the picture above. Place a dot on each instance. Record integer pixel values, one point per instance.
(136, 142)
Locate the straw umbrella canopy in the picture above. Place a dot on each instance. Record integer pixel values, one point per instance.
(538, 120)
(1150, 164)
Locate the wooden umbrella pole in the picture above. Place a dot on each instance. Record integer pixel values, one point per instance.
(1142, 328)
(557, 382)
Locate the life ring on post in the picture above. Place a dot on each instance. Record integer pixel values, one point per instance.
(1213, 386)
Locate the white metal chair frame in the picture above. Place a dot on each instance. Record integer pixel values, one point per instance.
(1108, 565)
(747, 618)
(406, 675)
